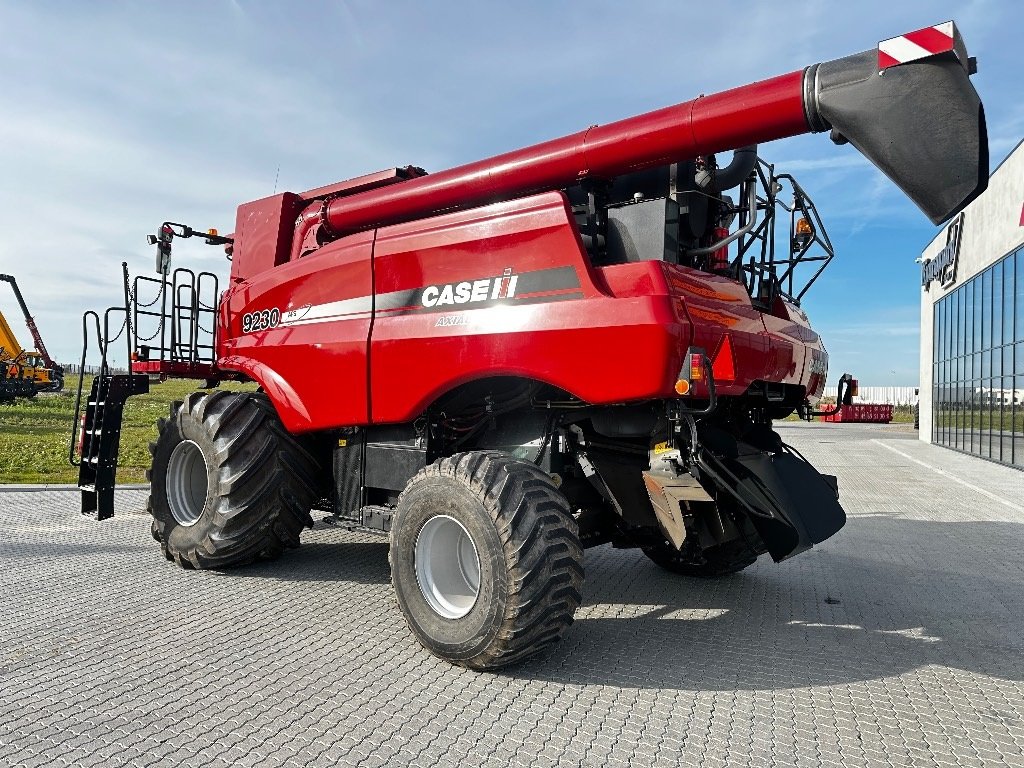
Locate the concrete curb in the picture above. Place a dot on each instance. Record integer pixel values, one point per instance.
(26, 488)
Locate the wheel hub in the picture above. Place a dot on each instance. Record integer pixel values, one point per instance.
(187, 483)
(447, 567)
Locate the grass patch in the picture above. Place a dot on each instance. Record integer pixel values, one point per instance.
(35, 434)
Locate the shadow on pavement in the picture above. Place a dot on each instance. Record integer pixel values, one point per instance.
(895, 596)
(363, 562)
(887, 596)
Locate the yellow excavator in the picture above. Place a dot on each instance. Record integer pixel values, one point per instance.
(25, 373)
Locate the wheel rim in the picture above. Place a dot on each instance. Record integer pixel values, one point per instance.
(447, 567)
(187, 483)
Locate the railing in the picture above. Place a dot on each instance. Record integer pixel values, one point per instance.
(183, 328)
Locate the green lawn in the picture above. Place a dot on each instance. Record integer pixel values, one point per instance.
(35, 434)
(1007, 420)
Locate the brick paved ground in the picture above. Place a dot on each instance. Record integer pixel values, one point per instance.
(900, 641)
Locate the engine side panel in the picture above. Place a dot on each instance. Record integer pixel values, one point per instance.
(507, 290)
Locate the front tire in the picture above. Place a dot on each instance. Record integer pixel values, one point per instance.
(485, 559)
(229, 483)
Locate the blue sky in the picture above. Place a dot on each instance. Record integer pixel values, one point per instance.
(117, 116)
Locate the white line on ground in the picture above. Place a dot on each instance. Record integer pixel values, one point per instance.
(953, 477)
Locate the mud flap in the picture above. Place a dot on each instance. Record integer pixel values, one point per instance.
(790, 503)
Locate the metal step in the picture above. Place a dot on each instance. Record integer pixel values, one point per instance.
(101, 441)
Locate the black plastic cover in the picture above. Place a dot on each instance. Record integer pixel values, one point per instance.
(921, 123)
(791, 505)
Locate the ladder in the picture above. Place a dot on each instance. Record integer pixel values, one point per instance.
(101, 439)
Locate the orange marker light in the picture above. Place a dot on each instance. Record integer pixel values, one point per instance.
(682, 387)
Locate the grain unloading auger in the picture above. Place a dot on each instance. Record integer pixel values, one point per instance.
(581, 342)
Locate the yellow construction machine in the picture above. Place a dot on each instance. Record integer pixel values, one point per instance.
(23, 372)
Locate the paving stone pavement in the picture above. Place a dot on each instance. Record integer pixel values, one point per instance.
(898, 642)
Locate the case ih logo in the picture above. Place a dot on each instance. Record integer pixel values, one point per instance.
(943, 266)
(488, 289)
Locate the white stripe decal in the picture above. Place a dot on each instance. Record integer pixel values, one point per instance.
(902, 49)
(319, 313)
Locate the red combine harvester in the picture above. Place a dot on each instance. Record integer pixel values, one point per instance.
(581, 342)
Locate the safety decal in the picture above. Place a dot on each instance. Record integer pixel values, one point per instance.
(919, 44)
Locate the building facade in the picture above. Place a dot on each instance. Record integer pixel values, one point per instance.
(972, 324)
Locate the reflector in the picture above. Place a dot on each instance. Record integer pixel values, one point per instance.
(723, 366)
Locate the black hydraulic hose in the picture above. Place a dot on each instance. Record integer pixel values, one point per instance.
(743, 161)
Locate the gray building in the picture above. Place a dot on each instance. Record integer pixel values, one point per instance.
(972, 324)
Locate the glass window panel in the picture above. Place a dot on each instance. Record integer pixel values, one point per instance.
(954, 323)
(970, 420)
(997, 361)
(961, 324)
(1018, 417)
(968, 326)
(986, 407)
(986, 309)
(1008, 300)
(997, 304)
(1005, 414)
(1018, 302)
(976, 288)
(949, 325)
(955, 424)
(1018, 365)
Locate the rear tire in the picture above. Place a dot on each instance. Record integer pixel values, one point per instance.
(711, 563)
(485, 559)
(229, 483)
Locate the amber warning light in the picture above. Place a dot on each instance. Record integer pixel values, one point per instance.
(692, 370)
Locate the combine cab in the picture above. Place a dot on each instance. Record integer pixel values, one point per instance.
(578, 343)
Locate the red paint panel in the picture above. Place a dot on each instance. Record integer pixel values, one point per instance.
(263, 234)
(606, 335)
(315, 373)
(791, 339)
(717, 305)
(599, 347)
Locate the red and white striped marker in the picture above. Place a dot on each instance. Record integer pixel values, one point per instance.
(919, 44)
